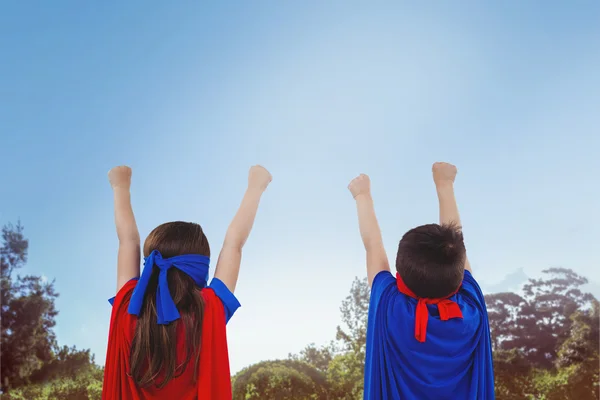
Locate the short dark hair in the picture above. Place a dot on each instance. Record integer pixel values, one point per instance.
(431, 259)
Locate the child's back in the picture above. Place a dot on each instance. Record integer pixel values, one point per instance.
(210, 375)
(167, 336)
(454, 362)
(428, 334)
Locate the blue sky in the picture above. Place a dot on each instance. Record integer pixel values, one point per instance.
(190, 95)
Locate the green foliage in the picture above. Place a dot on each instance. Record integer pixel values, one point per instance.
(27, 315)
(345, 376)
(546, 344)
(575, 376)
(582, 344)
(333, 372)
(318, 357)
(86, 385)
(66, 362)
(33, 366)
(346, 370)
(512, 375)
(539, 321)
(281, 379)
(355, 312)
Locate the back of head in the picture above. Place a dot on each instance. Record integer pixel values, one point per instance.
(431, 260)
(154, 347)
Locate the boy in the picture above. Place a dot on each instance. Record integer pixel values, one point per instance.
(428, 333)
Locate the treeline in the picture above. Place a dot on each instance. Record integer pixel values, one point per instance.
(546, 344)
(33, 366)
(545, 348)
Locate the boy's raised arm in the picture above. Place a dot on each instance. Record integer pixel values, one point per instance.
(128, 264)
(443, 176)
(377, 260)
(228, 264)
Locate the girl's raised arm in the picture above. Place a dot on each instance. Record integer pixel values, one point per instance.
(228, 265)
(128, 264)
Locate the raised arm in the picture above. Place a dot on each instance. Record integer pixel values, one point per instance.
(443, 176)
(128, 263)
(228, 265)
(377, 260)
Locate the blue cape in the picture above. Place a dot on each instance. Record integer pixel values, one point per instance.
(455, 361)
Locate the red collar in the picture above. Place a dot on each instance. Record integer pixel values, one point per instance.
(447, 308)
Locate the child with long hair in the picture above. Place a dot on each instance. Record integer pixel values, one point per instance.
(167, 335)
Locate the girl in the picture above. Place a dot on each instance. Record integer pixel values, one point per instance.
(167, 335)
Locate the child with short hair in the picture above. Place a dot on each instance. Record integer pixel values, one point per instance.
(428, 334)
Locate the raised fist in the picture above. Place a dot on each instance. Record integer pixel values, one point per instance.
(120, 177)
(443, 173)
(259, 178)
(360, 185)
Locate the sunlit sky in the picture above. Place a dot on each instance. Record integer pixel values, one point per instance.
(190, 94)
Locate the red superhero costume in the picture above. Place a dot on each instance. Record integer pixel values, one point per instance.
(213, 381)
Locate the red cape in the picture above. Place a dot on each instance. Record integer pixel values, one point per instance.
(214, 380)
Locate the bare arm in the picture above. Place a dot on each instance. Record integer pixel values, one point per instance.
(370, 232)
(128, 262)
(444, 181)
(230, 258)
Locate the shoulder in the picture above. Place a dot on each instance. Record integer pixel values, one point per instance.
(121, 322)
(218, 290)
(383, 279)
(470, 284)
(124, 294)
(382, 282)
(471, 290)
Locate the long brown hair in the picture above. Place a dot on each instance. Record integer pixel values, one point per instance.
(154, 346)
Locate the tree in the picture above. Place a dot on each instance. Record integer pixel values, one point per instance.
(539, 321)
(582, 344)
(343, 361)
(346, 370)
(318, 357)
(569, 383)
(506, 318)
(66, 362)
(84, 385)
(28, 313)
(546, 341)
(512, 373)
(282, 380)
(345, 376)
(29, 351)
(355, 312)
(577, 375)
(554, 300)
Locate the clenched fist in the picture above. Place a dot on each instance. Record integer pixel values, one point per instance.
(443, 173)
(120, 177)
(360, 185)
(259, 178)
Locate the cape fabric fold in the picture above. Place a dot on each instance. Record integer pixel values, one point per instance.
(454, 363)
(213, 382)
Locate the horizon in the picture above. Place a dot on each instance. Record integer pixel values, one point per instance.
(190, 96)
